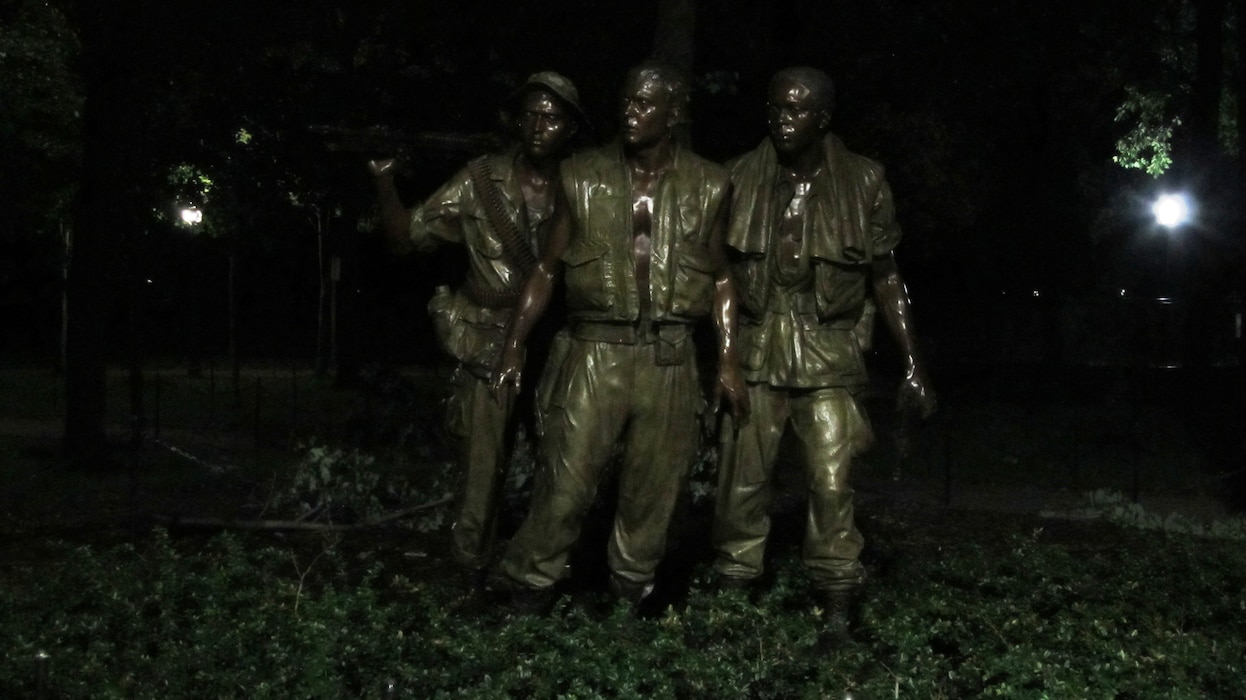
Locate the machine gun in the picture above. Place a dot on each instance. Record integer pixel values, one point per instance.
(383, 142)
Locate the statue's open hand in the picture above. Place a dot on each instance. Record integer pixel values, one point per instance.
(508, 372)
(916, 394)
(382, 167)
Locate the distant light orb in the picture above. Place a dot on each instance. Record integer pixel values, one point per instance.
(191, 216)
(1171, 210)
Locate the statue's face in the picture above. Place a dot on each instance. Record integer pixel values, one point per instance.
(796, 122)
(544, 126)
(648, 114)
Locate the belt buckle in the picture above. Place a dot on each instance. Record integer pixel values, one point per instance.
(646, 332)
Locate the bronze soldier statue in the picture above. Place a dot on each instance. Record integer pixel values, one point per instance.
(811, 235)
(639, 246)
(499, 208)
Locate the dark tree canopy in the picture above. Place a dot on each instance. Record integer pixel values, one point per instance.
(1003, 126)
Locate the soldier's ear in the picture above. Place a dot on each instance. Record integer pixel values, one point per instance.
(824, 119)
(676, 117)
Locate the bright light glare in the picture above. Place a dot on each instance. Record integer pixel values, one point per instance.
(192, 216)
(1171, 210)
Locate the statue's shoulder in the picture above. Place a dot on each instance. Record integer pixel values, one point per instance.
(593, 165)
(869, 168)
(501, 163)
(701, 168)
(751, 161)
(501, 159)
(595, 158)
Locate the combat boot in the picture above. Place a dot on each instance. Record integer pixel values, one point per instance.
(532, 601)
(635, 595)
(840, 611)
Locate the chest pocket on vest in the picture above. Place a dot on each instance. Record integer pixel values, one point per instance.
(748, 274)
(588, 277)
(480, 238)
(692, 292)
(840, 290)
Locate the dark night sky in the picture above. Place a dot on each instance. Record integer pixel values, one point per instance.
(995, 121)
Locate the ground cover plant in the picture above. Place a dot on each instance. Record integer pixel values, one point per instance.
(961, 604)
(98, 598)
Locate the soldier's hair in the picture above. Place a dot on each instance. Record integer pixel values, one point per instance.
(675, 81)
(818, 82)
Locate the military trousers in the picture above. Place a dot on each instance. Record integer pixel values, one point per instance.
(831, 428)
(480, 426)
(608, 393)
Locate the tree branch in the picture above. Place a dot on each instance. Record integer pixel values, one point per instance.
(226, 523)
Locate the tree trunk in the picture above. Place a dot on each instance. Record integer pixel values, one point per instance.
(324, 361)
(134, 351)
(67, 250)
(103, 212)
(235, 365)
(674, 43)
(674, 37)
(1239, 9)
(1208, 76)
(1205, 171)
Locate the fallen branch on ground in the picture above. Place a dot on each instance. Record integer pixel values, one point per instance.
(226, 523)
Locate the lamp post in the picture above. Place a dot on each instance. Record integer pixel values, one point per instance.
(191, 217)
(1171, 212)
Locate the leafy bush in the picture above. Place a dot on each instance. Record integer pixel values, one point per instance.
(1113, 507)
(346, 485)
(966, 606)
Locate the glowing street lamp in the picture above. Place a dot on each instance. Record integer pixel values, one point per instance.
(191, 216)
(1171, 210)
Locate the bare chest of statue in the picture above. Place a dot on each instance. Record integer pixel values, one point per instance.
(644, 187)
(538, 201)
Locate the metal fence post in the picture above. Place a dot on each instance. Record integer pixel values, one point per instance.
(155, 411)
(258, 387)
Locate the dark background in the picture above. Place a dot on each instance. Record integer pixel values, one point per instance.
(1026, 244)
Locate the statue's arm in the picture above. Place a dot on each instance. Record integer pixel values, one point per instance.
(533, 300)
(730, 385)
(892, 299)
(395, 218)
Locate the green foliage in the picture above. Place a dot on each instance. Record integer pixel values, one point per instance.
(1112, 506)
(1147, 146)
(522, 473)
(1042, 621)
(150, 621)
(1156, 97)
(703, 478)
(344, 485)
(43, 93)
(1013, 611)
(41, 101)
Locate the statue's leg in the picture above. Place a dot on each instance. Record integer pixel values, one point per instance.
(747, 455)
(833, 429)
(478, 423)
(582, 427)
(661, 442)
